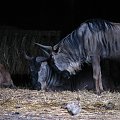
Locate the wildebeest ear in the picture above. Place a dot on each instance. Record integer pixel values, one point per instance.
(41, 59)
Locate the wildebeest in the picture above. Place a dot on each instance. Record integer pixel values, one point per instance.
(91, 41)
(44, 77)
(5, 78)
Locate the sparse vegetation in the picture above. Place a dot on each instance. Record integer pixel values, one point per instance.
(26, 104)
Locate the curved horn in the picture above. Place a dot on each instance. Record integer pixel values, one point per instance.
(27, 57)
(44, 47)
(46, 53)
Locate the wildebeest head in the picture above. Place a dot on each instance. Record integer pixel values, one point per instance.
(42, 74)
(34, 66)
(35, 62)
(63, 57)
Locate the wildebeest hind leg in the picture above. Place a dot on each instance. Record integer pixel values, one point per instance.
(97, 73)
(100, 82)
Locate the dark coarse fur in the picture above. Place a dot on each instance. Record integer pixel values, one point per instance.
(92, 40)
(102, 38)
(50, 79)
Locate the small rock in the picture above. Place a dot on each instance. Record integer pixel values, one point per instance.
(16, 113)
(73, 108)
(109, 106)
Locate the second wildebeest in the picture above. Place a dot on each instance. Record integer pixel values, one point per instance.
(44, 77)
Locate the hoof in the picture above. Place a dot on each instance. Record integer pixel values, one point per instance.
(98, 92)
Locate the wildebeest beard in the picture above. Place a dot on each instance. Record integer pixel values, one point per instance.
(63, 73)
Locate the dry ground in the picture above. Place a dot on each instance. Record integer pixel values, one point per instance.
(23, 104)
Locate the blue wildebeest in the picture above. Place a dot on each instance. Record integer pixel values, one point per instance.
(91, 41)
(44, 77)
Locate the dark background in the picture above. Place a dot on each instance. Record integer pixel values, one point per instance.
(63, 15)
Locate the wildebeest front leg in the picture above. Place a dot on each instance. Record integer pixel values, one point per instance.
(97, 74)
(42, 80)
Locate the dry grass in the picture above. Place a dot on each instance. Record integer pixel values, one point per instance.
(23, 104)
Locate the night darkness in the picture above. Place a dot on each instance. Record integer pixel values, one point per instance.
(64, 15)
(61, 15)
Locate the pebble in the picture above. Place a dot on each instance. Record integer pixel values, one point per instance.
(73, 108)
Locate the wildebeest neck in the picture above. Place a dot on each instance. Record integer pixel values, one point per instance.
(69, 55)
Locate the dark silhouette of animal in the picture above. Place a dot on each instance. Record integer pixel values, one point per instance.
(92, 41)
(5, 78)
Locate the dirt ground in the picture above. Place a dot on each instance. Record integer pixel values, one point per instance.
(24, 104)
